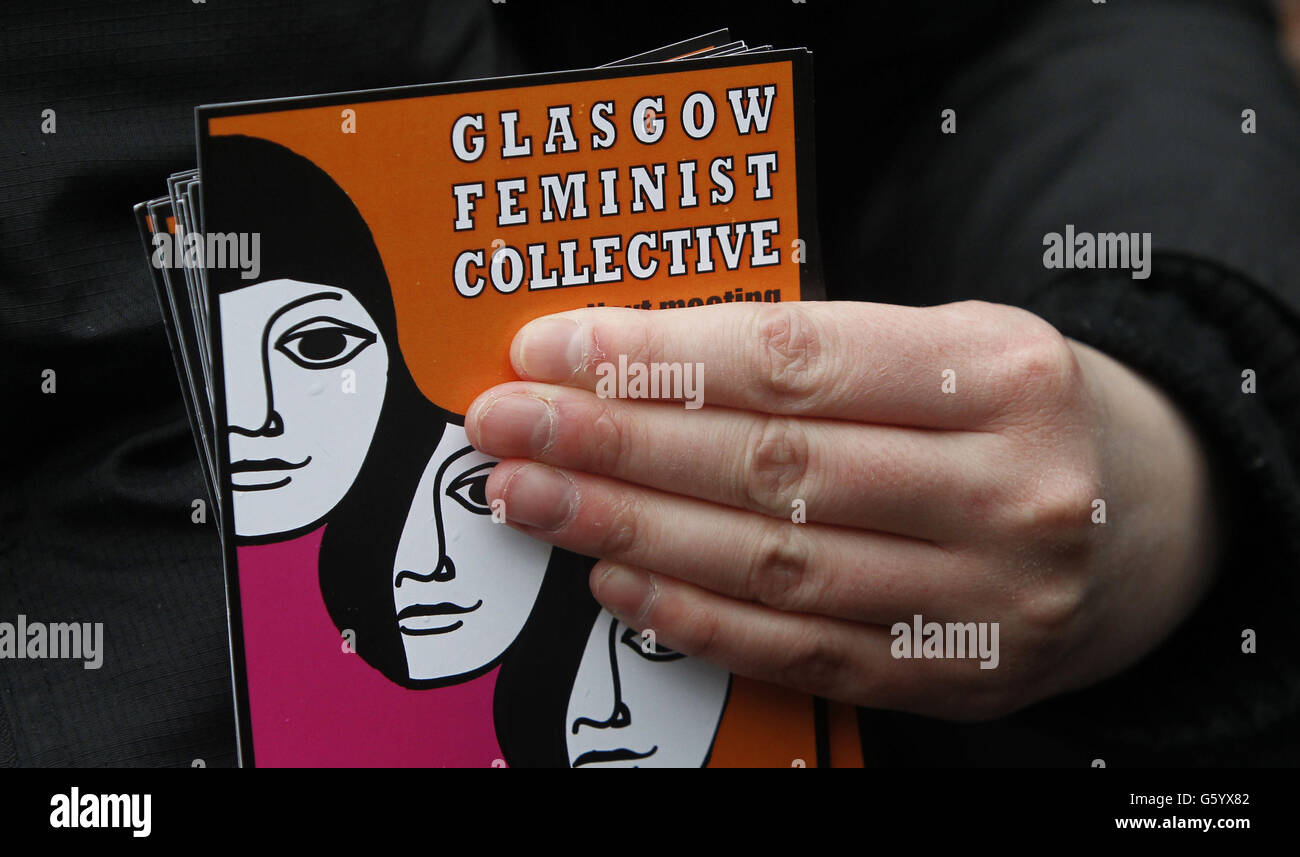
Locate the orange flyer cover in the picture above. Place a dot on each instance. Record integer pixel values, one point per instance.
(378, 613)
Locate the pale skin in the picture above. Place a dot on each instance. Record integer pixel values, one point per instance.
(977, 505)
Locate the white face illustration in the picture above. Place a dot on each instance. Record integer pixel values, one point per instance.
(463, 585)
(632, 708)
(306, 369)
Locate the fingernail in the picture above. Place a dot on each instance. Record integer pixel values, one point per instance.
(625, 593)
(515, 426)
(539, 496)
(549, 349)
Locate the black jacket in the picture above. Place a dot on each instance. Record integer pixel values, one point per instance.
(1105, 116)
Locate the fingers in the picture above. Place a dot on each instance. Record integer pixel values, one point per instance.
(911, 482)
(940, 367)
(832, 658)
(806, 568)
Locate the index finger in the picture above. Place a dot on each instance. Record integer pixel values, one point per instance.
(877, 363)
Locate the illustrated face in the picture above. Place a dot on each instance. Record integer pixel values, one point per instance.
(463, 585)
(306, 369)
(632, 708)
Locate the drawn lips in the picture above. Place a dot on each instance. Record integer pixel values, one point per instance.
(264, 465)
(622, 754)
(444, 608)
(258, 465)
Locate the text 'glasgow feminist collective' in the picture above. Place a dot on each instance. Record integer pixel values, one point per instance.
(576, 195)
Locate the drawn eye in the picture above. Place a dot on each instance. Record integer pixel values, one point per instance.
(324, 342)
(470, 489)
(632, 639)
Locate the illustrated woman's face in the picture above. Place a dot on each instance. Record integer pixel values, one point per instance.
(306, 369)
(635, 708)
(463, 585)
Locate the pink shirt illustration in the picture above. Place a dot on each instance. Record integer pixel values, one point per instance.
(303, 686)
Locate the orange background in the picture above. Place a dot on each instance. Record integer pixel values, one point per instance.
(399, 169)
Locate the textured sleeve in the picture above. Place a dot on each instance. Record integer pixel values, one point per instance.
(1178, 120)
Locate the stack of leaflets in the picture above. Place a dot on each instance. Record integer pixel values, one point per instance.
(342, 275)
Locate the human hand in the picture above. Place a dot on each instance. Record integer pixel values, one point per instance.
(948, 461)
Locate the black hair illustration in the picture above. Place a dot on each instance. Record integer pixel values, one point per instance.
(310, 228)
(538, 672)
(311, 231)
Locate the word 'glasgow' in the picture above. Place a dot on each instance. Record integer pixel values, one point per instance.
(751, 108)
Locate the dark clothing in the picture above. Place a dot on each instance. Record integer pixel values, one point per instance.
(1110, 117)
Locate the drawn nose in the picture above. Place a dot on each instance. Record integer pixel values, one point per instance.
(272, 426)
(251, 411)
(619, 718)
(445, 571)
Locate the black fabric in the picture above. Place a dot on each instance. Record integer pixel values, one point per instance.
(95, 515)
(1129, 120)
(1117, 116)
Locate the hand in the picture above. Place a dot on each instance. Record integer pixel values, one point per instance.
(975, 504)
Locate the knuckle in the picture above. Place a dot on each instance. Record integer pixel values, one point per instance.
(627, 334)
(1037, 368)
(1057, 513)
(777, 465)
(648, 343)
(1049, 611)
(779, 571)
(704, 635)
(791, 367)
(608, 441)
(648, 613)
(621, 533)
(816, 664)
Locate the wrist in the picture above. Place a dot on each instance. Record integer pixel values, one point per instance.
(1156, 553)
